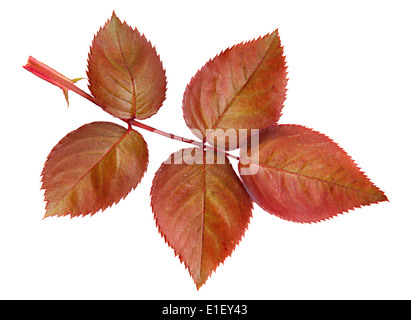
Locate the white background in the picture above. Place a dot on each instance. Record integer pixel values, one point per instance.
(349, 65)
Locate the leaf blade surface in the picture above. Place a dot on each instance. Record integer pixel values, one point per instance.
(201, 209)
(93, 168)
(241, 88)
(125, 73)
(303, 176)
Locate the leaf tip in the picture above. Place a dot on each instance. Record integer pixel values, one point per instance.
(382, 197)
(114, 16)
(199, 285)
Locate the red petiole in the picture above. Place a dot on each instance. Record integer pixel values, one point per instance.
(48, 74)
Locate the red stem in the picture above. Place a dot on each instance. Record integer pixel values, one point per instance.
(178, 138)
(46, 73)
(164, 134)
(50, 75)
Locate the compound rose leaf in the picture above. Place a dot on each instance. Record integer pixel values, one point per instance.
(125, 73)
(201, 209)
(301, 175)
(243, 87)
(93, 168)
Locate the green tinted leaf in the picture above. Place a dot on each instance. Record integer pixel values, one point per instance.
(201, 208)
(93, 168)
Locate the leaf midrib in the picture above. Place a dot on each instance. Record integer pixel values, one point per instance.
(134, 106)
(239, 92)
(309, 177)
(203, 223)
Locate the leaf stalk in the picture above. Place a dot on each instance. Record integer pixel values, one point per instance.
(48, 74)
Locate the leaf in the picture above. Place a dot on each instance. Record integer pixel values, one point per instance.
(301, 175)
(201, 209)
(125, 73)
(241, 88)
(92, 168)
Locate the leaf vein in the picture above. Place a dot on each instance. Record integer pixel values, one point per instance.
(97, 162)
(234, 98)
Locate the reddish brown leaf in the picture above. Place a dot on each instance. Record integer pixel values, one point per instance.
(303, 176)
(201, 208)
(125, 73)
(92, 168)
(242, 88)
